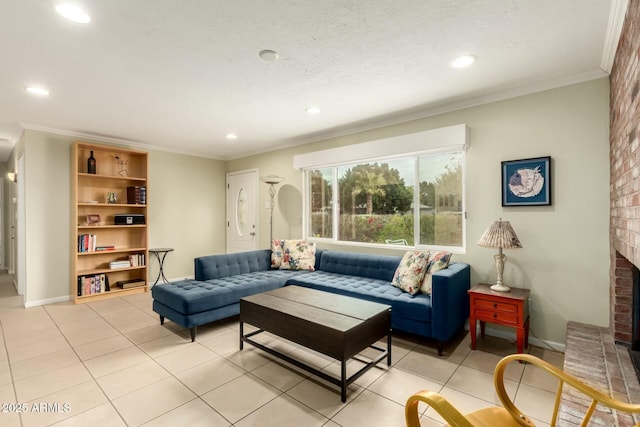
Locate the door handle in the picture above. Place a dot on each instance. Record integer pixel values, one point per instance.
(252, 233)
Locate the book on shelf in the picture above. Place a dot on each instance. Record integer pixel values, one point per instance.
(105, 248)
(131, 283)
(93, 284)
(137, 195)
(136, 260)
(120, 264)
(87, 243)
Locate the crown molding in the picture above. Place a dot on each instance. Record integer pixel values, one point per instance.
(112, 140)
(617, 14)
(352, 128)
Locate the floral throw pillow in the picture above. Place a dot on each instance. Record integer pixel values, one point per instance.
(411, 271)
(439, 261)
(276, 253)
(298, 255)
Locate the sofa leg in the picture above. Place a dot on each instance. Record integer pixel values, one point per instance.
(161, 319)
(440, 348)
(193, 333)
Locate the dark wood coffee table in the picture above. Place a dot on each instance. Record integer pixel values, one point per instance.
(334, 325)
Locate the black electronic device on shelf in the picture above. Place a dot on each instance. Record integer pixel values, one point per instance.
(129, 219)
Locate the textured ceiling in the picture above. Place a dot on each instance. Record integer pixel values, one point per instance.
(180, 75)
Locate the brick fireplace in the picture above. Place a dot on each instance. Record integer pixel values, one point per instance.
(625, 309)
(624, 160)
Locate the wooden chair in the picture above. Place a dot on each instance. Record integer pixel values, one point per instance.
(509, 415)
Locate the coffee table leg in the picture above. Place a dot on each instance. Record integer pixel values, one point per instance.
(241, 334)
(389, 348)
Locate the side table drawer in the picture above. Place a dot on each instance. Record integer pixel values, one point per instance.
(497, 316)
(499, 306)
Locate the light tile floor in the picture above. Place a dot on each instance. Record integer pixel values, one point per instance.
(111, 363)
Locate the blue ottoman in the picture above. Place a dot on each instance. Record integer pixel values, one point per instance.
(191, 303)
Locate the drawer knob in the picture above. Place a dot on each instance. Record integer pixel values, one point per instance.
(495, 315)
(495, 305)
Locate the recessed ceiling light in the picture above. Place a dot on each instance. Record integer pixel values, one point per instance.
(462, 61)
(312, 110)
(73, 13)
(269, 55)
(231, 136)
(37, 90)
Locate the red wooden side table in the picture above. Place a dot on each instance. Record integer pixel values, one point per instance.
(502, 308)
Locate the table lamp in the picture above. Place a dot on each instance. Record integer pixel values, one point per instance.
(500, 235)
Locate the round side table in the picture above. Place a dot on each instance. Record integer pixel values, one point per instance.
(160, 254)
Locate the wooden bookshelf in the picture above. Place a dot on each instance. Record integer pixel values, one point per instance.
(116, 170)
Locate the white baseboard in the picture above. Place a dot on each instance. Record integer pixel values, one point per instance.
(510, 335)
(46, 301)
(68, 298)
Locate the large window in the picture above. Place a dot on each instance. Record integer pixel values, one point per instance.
(404, 190)
(415, 200)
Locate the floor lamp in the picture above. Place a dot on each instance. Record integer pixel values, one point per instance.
(272, 180)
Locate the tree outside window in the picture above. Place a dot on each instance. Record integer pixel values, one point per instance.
(378, 203)
(321, 209)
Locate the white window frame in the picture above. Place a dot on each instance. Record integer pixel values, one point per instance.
(448, 139)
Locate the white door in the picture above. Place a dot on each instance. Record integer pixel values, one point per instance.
(242, 200)
(2, 210)
(13, 220)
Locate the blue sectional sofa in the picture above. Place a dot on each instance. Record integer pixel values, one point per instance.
(221, 280)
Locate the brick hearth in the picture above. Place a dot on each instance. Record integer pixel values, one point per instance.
(592, 356)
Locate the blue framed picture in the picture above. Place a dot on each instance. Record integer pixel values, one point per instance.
(526, 182)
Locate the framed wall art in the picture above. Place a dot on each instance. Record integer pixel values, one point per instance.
(526, 182)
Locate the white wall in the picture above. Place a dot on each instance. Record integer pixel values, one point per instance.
(185, 212)
(565, 255)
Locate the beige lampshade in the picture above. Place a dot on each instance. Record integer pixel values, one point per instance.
(500, 234)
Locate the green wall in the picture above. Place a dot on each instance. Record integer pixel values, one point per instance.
(565, 254)
(185, 211)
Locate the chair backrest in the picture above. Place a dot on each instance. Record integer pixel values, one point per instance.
(510, 415)
(564, 379)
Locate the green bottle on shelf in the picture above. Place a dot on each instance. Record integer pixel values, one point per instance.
(91, 164)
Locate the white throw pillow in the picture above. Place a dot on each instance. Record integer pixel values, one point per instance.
(411, 271)
(298, 255)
